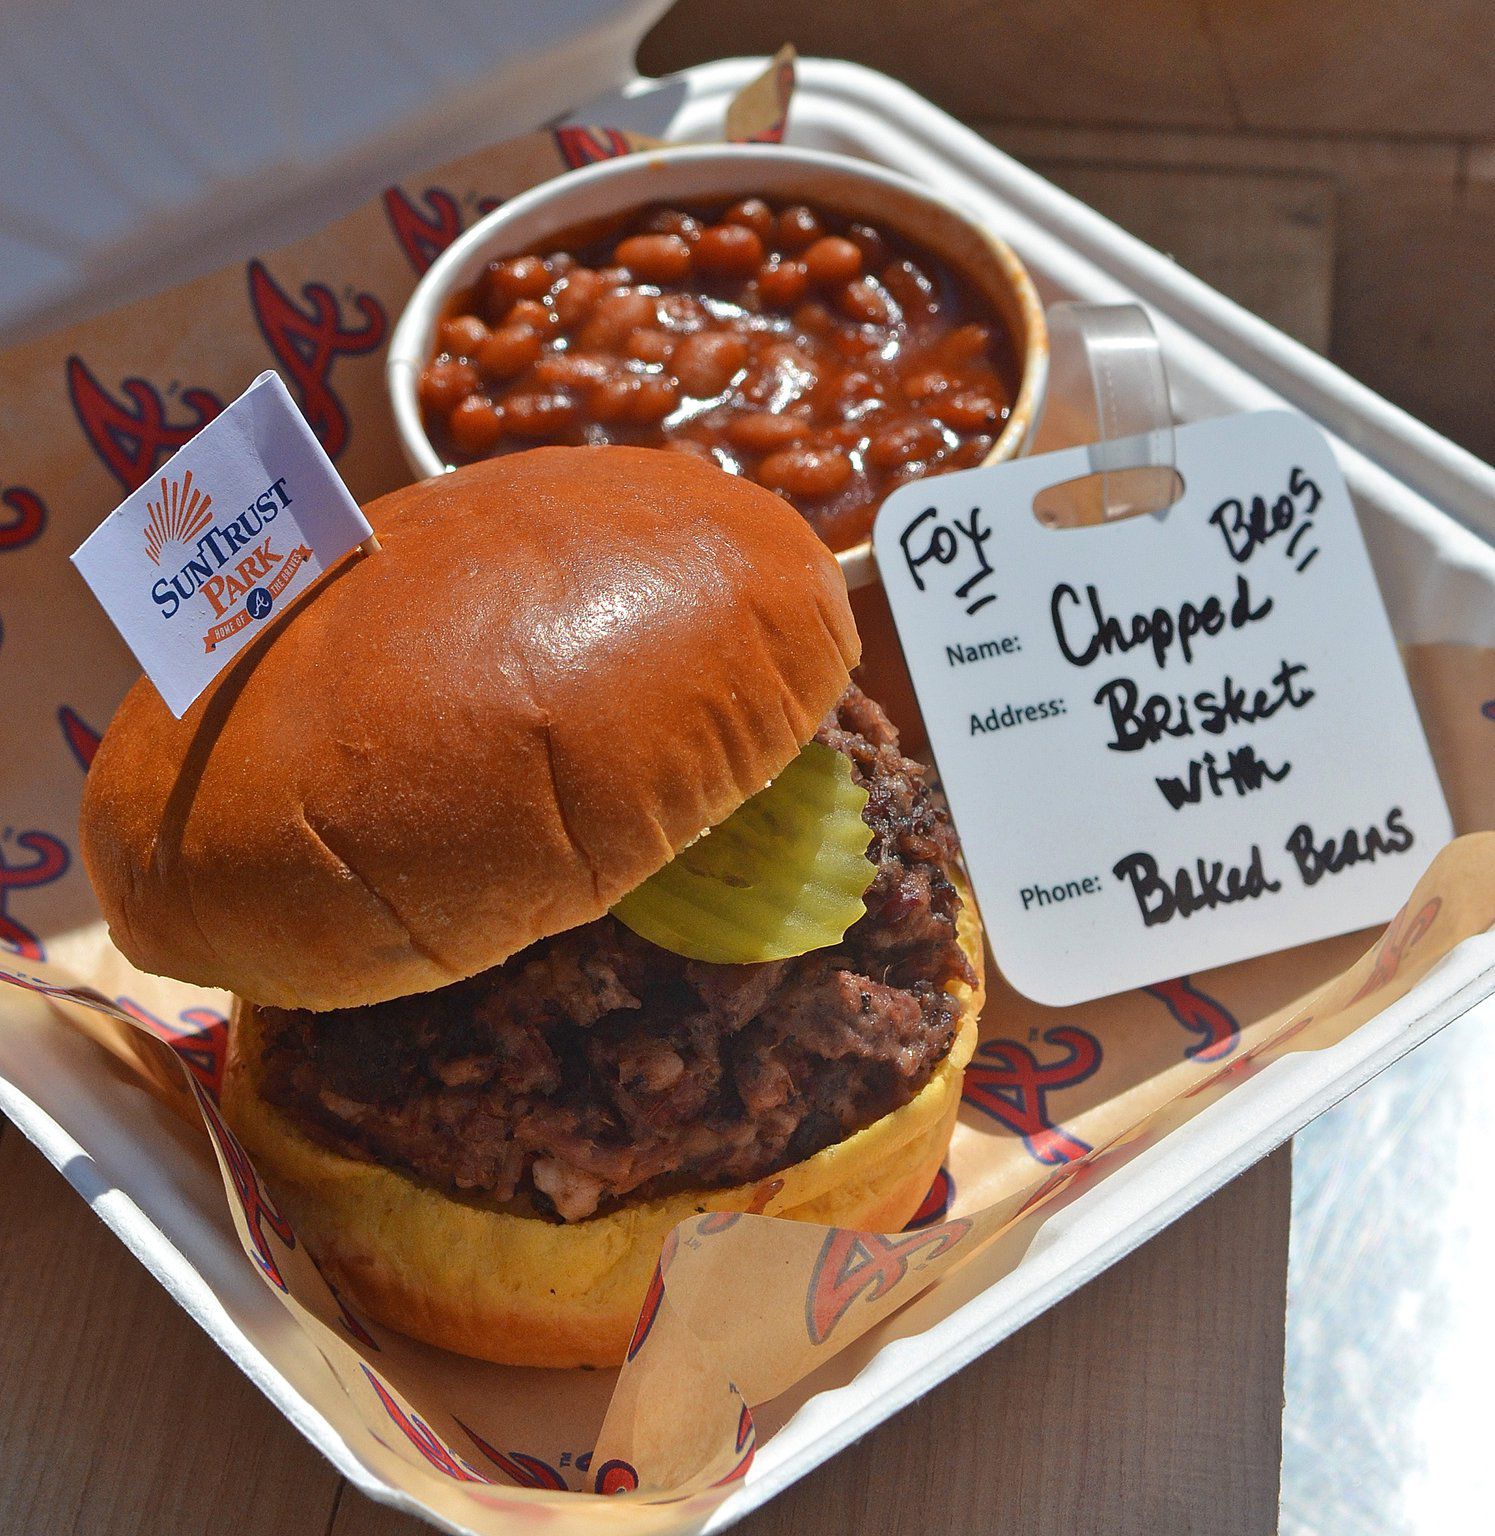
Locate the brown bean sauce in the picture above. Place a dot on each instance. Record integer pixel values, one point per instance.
(824, 358)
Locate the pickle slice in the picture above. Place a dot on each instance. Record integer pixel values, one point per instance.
(784, 874)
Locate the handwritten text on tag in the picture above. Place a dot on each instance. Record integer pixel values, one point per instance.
(1171, 744)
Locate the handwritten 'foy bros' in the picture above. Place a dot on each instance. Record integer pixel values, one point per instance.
(220, 541)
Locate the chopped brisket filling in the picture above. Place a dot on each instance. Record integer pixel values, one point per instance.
(593, 1066)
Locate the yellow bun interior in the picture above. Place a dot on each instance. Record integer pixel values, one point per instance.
(520, 1290)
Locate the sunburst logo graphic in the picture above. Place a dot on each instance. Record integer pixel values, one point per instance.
(178, 517)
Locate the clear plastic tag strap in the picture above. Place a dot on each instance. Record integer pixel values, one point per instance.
(1108, 390)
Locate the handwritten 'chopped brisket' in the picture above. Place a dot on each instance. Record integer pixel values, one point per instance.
(594, 1066)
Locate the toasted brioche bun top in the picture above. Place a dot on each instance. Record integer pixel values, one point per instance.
(561, 667)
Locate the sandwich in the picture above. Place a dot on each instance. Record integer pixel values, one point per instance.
(567, 886)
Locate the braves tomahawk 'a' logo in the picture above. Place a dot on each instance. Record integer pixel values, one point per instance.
(1008, 1082)
(81, 738)
(522, 1469)
(200, 1038)
(1406, 932)
(133, 438)
(653, 1296)
(258, 1209)
(421, 1435)
(306, 342)
(935, 1203)
(424, 229)
(24, 520)
(747, 1444)
(586, 146)
(853, 1265)
(616, 1476)
(1201, 1015)
(48, 861)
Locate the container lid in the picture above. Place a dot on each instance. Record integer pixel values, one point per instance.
(145, 146)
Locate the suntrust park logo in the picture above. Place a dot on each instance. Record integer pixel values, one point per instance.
(221, 541)
(234, 566)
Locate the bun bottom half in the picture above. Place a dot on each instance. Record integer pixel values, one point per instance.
(513, 1288)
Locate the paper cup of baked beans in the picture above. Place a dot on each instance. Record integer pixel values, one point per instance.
(818, 324)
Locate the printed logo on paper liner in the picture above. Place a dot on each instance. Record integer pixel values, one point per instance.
(420, 1434)
(306, 343)
(1405, 933)
(935, 1203)
(1009, 1083)
(653, 1296)
(132, 439)
(30, 517)
(586, 146)
(865, 1265)
(48, 861)
(200, 1039)
(1202, 1015)
(81, 738)
(745, 1446)
(524, 1470)
(616, 1476)
(254, 1202)
(423, 232)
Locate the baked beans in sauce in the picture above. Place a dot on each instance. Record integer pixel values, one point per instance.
(823, 358)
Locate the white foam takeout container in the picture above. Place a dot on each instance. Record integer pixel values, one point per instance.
(1412, 489)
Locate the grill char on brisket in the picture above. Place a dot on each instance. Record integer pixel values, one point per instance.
(594, 1066)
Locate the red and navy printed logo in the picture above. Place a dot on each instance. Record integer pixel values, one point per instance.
(259, 1211)
(934, 1204)
(1008, 1082)
(134, 435)
(586, 146)
(306, 342)
(81, 738)
(615, 1476)
(24, 520)
(773, 133)
(347, 1317)
(1405, 932)
(422, 1436)
(423, 230)
(653, 1296)
(747, 1437)
(1201, 1015)
(854, 1265)
(522, 1469)
(200, 1038)
(46, 860)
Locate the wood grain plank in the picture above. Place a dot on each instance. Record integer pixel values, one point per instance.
(1355, 66)
(1295, 154)
(119, 1415)
(1267, 241)
(360, 1516)
(1150, 61)
(1414, 280)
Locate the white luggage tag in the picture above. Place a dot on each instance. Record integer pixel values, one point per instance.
(1168, 743)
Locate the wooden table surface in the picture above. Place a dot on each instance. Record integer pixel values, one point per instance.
(1150, 1402)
